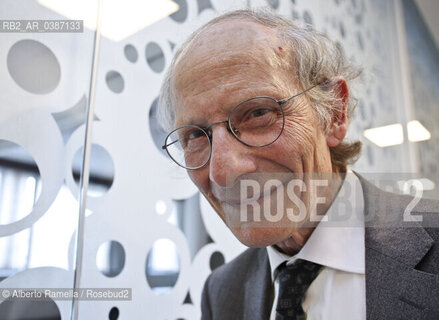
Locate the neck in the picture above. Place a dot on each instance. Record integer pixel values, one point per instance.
(294, 243)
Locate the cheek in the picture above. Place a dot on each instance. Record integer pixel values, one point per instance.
(299, 135)
(201, 179)
(301, 125)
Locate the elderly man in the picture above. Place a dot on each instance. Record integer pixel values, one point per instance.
(252, 96)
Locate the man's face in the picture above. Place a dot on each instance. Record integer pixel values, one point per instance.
(228, 63)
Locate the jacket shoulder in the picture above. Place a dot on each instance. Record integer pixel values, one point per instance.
(235, 271)
(239, 289)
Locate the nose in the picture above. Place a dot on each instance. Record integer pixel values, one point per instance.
(230, 158)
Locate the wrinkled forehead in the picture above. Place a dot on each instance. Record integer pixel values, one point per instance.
(230, 56)
(238, 37)
(233, 33)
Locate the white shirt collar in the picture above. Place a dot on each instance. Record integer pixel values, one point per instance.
(339, 247)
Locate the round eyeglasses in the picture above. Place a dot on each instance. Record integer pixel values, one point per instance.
(256, 122)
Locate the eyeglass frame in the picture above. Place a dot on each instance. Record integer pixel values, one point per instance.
(233, 130)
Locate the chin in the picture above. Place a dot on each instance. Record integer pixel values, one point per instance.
(256, 236)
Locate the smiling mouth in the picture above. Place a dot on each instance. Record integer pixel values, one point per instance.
(240, 203)
(251, 190)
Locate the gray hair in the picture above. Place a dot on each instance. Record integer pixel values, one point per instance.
(315, 59)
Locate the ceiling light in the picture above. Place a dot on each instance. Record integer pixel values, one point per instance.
(385, 136)
(417, 132)
(120, 19)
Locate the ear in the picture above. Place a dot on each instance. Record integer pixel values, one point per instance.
(339, 124)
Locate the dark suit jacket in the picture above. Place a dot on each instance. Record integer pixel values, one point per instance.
(402, 267)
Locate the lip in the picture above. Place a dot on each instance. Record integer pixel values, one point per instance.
(231, 195)
(238, 203)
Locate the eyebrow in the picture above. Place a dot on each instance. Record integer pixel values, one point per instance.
(193, 120)
(202, 123)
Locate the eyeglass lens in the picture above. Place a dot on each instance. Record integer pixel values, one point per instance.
(255, 122)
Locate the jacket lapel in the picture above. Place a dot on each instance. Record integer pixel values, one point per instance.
(258, 290)
(393, 249)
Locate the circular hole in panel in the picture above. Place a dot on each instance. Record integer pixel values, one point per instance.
(130, 53)
(20, 309)
(273, 3)
(110, 258)
(203, 5)
(216, 260)
(372, 111)
(382, 96)
(171, 45)
(369, 154)
(307, 17)
(360, 41)
(188, 299)
(114, 314)
(33, 66)
(361, 106)
(181, 14)
(158, 134)
(101, 170)
(155, 57)
(160, 207)
(19, 182)
(342, 29)
(295, 15)
(162, 266)
(359, 18)
(114, 81)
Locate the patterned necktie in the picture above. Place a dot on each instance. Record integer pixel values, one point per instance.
(294, 280)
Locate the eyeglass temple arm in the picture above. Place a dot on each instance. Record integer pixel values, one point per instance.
(288, 99)
(169, 144)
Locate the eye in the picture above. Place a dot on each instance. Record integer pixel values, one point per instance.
(194, 134)
(259, 112)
